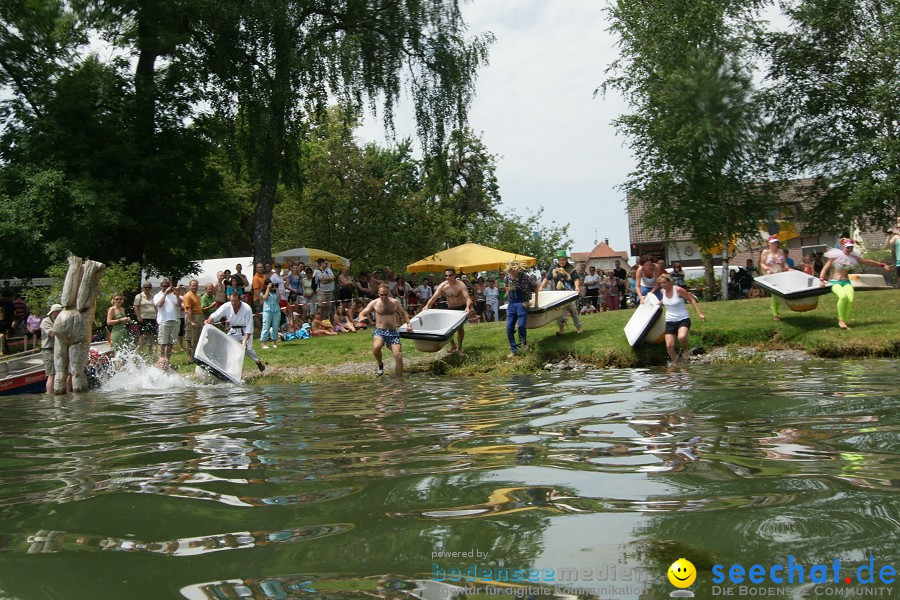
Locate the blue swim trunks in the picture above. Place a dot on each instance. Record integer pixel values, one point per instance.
(390, 336)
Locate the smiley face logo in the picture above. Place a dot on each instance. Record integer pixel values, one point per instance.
(682, 573)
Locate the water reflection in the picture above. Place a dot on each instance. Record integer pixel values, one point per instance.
(565, 471)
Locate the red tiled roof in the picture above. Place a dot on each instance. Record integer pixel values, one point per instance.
(581, 256)
(602, 250)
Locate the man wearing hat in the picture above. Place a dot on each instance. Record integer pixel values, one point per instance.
(564, 277)
(47, 343)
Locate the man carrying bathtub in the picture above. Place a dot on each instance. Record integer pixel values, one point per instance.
(389, 316)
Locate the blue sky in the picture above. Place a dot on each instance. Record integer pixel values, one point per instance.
(535, 108)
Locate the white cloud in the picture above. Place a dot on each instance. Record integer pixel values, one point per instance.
(535, 108)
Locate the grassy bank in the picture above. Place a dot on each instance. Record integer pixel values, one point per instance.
(875, 332)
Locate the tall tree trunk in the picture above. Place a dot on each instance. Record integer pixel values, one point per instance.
(144, 127)
(710, 274)
(262, 228)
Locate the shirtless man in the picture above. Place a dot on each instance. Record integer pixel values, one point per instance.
(457, 296)
(389, 316)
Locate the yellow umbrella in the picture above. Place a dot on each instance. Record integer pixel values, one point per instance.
(468, 258)
(310, 256)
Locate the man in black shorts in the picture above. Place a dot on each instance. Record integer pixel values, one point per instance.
(457, 299)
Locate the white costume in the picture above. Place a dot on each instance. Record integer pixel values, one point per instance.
(241, 324)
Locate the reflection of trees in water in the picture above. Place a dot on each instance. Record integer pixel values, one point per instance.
(48, 542)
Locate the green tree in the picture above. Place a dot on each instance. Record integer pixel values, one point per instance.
(105, 161)
(697, 126)
(835, 86)
(357, 201)
(274, 64)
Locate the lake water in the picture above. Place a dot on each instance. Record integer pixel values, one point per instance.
(155, 487)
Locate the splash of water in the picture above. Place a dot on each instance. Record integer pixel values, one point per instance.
(133, 372)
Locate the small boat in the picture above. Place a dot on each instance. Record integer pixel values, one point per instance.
(550, 306)
(868, 281)
(23, 373)
(433, 328)
(646, 324)
(219, 354)
(799, 291)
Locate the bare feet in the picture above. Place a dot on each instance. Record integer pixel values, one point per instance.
(777, 318)
(842, 325)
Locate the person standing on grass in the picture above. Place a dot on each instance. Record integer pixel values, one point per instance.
(892, 242)
(519, 288)
(646, 276)
(678, 321)
(492, 300)
(208, 301)
(193, 317)
(167, 303)
(564, 277)
(145, 313)
(324, 278)
(458, 298)
(844, 261)
(621, 276)
(240, 318)
(773, 260)
(389, 316)
(271, 314)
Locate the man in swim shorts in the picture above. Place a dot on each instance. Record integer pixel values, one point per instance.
(389, 316)
(458, 298)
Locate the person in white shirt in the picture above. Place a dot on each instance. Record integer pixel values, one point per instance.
(424, 292)
(324, 278)
(167, 303)
(492, 298)
(278, 282)
(240, 317)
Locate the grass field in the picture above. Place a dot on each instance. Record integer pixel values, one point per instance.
(875, 332)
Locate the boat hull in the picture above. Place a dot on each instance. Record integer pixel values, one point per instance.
(646, 325)
(219, 354)
(551, 306)
(434, 328)
(868, 281)
(24, 373)
(795, 289)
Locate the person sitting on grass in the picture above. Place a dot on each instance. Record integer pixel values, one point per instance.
(342, 319)
(321, 326)
(353, 312)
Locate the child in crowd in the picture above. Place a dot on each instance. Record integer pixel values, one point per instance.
(321, 325)
(342, 320)
(355, 308)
